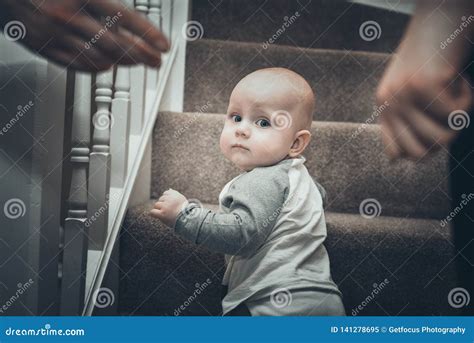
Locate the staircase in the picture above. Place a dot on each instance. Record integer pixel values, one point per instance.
(389, 253)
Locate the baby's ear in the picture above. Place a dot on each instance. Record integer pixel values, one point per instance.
(300, 143)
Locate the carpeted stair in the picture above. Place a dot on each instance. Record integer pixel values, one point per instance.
(397, 263)
(339, 78)
(321, 24)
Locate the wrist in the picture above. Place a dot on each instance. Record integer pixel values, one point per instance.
(187, 224)
(187, 211)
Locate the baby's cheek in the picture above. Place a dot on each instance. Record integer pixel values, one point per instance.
(224, 142)
(275, 146)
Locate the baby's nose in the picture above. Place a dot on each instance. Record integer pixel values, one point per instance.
(242, 131)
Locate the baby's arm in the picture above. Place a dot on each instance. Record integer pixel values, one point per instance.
(254, 208)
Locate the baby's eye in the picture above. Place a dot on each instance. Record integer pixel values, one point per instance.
(263, 123)
(236, 118)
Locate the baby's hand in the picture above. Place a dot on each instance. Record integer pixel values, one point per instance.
(168, 207)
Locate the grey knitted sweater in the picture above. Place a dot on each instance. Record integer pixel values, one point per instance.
(271, 227)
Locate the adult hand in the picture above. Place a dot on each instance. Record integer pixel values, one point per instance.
(87, 35)
(424, 84)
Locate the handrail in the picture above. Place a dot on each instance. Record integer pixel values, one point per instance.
(124, 198)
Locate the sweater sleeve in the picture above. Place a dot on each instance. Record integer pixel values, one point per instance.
(254, 204)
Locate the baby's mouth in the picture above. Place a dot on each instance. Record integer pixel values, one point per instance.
(240, 146)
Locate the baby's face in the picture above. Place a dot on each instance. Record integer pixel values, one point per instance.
(259, 128)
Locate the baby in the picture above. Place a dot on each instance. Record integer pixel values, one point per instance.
(271, 222)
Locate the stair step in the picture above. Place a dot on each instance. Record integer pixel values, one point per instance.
(319, 24)
(408, 261)
(344, 81)
(351, 167)
(160, 270)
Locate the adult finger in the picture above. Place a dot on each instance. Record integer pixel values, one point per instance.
(426, 128)
(66, 59)
(136, 50)
(388, 138)
(88, 55)
(408, 142)
(95, 34)
(117, 46)
(132, 21)
(441, 99)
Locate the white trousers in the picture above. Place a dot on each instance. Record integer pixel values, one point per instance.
(304, 302)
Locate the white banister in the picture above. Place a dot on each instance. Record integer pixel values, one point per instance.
(108, 166)
(120, 128)
(75, 230)
(133, 122)
(138, 153)
(100, 163)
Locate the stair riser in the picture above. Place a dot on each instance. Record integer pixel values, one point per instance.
(344, 82)
(325, 24)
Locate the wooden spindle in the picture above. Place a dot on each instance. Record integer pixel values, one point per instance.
(142, 6)
(100, 163)
(154, 16)
(138, 85)
(167, 18)
(154, 13)
(120, 132)
(75, 230)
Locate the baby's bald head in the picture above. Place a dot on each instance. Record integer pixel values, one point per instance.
(268, 118)
(286, 90)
